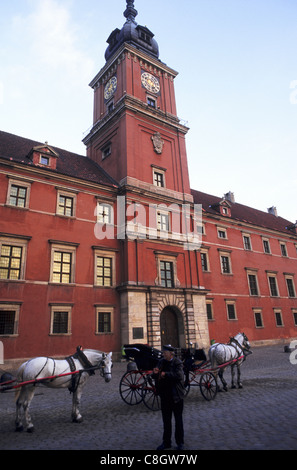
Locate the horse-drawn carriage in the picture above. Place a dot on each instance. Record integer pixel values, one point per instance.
(137, 384)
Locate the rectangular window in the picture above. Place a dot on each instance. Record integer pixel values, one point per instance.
(222, 233)
(104, 213)
(258, 318)
(18, 194)
(61, 319)
(278, 318)
(7, 321)
(62, 267)
(60, 323)
(266, 246)
(104, 272)
(166, 271)
(225, 264)
(247, 242)
(290, 286)
(66, 206)
(283, 249)
(209, 311)
(11, 262)
(151, 102)
(159, 179)
(104, 320)
(204, 261)
(295, 316)
(253, 285)
(163, 222)
(9, 318)
(231, 311)
(273, 286)
(63, 263)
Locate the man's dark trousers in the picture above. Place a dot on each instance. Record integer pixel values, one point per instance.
(168, 407)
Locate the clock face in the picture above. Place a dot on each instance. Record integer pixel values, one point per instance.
(150, 82)
(110, 88)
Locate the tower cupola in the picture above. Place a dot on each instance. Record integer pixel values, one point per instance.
(132, 33)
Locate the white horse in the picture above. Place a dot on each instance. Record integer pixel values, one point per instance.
(58, 374)
(238, 347)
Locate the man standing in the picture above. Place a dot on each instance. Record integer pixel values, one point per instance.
(169, 378)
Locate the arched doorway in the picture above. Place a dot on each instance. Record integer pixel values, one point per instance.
(172, 328)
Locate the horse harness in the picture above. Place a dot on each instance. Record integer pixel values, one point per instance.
(87, 367)
(244, 350)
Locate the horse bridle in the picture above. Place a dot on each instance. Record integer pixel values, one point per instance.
(102, 366)
(245, 348)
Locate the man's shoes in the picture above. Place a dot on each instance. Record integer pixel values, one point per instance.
(163, 447)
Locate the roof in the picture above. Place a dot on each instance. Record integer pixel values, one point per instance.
(15, 148)
(242, 213)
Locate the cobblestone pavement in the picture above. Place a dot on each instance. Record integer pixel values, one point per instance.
(261, 416)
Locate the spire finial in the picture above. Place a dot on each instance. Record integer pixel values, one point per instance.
(130, 13)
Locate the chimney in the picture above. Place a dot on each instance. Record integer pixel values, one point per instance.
(272, 210)
(230, 197)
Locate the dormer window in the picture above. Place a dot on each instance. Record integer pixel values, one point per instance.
(43, 155)
(145, 34)
(44, 160)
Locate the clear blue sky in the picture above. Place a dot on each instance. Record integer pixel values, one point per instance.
(236, 88)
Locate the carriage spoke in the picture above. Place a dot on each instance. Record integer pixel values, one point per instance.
(131, 387)
(149, 395)
(208, 386)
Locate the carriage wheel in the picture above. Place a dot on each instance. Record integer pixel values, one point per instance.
(149, 395)
(208, 386)
(192, 382)
(131, 387)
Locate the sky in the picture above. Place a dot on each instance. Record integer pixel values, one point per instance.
(236, 89)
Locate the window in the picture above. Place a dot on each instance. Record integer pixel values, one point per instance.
(65, 206)
(209, 311)
(9, 319)
(159, 179)
(283, 249)
(163, 223)
(12, 259)
(204, 261)
(253, 282)
(266, 246)
(247, 242)
(295, 316)
(231, 311)
(278, 317)
(18, 194)
(225, 258)
(222, 233)
(258, 318)
(11, 262)
(104, 320)
(167, 274)
(104, 213)
(290, 286)
(151, 102)
(273, 285)
(106, 151)
(63, 264)
(104, 268)
(44, 160)
(61, 319)
(104, 271)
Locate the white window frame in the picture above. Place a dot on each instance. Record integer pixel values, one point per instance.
(64, 248)
(12, 307)
(55, 308)
(104, 309)
(21, 184)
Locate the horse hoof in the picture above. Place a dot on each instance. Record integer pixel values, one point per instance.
(233, 386)
(19, 429)
(77, 420)
(30, 430)
(240, 386)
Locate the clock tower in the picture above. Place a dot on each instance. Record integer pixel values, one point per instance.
(137, 138)
(135, 129)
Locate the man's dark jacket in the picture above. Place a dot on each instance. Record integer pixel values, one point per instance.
(172, 385)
